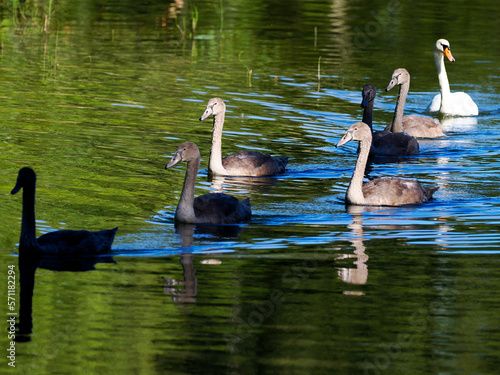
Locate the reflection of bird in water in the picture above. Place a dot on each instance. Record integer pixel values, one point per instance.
(459, 124)
(58, 242)
(188, 293)
(243, 163)
(242, 184)
(211, 208)
(186, 233)
(28, 264)
(358, 275)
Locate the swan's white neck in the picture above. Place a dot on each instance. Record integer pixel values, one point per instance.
(215, 163)
(397, 122)
(185, 208)
(354, 192)
(442, 76)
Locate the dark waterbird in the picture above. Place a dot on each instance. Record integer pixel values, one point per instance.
(211, 208)
(63, 242)
(385, 142)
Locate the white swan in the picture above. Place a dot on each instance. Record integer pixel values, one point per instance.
(416, 126)
(384, 191)
(448, 103)
(243, 163)
(211, 208)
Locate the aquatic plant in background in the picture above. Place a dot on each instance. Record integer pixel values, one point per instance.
(193, 18)
(249, 70)
(28, 16)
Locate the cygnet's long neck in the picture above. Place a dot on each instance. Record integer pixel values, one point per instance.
(28, 228)
(368, 114)
(215, 163)
(397, 122)
(442, 76)
(185, 208)
(355, 190)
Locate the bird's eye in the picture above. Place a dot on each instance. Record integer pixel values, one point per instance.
(215, 103)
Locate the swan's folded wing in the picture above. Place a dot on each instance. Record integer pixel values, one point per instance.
(435, 104)
(422, 127)
(220, 208)
(77, 241)
(256, 163)
(394, 191)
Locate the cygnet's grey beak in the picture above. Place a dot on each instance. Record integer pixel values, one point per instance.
(206, 114)
(176, 159)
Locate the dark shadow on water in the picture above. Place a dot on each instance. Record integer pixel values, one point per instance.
(28, 264)
(187, 232)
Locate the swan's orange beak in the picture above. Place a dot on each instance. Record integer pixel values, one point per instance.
(448, 54)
